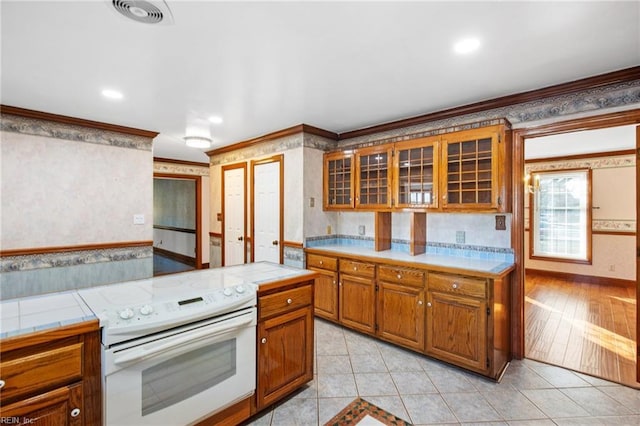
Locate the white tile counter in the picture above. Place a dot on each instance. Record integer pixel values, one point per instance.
(38, 313)
(487, 267)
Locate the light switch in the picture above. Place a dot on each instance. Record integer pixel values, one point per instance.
(138, 219)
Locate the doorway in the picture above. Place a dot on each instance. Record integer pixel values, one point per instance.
(176, 223)
(267, 208)
(568, 317)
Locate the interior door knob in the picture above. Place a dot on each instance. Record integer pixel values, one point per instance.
(274, 242)
(240, 238)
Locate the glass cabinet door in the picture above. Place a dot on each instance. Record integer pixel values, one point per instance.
(416, 168)
(471, 179)
(374, 177)
(338, 180)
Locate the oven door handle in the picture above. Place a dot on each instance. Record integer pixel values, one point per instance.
(145, 352)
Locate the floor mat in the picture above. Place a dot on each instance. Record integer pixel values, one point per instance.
(364, 413)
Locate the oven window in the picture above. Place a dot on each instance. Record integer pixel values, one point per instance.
(186, 375)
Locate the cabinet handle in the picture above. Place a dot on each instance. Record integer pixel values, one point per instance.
(289, 301)
(75, 412)
(2, 383)
(399, 276)
(429, 304)
(454, 286)
(264, 340)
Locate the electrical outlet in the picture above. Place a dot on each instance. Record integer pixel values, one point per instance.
(138, 219)
(501, 222)
(460, 237)
(612, 268)
(361, 230)
(328, 229)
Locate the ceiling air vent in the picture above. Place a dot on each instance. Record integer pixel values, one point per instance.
(147, 12)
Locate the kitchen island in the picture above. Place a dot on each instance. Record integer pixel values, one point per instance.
(449, 307)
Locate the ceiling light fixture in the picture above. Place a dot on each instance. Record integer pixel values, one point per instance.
(112, 94)
(215, 119)
(466, 45)
(197, 141)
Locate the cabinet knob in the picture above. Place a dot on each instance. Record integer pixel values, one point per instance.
(2, 383)
(419, 302)
(429, 304)
(355, 268)
(340, 283)
(322, 262)
(264, 340)
(444, 197)
(289, 301)
(454, 285)
(399, 276)
(334, 282)
(75, 412)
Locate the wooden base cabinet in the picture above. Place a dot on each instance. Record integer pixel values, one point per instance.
(326, 295)
(357, 295)
(285, 342)
(52, 377)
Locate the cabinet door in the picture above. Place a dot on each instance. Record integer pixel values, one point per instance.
(401, 315)
(59, 407)
(471, 170)
(416, 174)
(338, 181)
(457, 330)
(357, 303)
(285, 355)
(373, 183)
(326, 295)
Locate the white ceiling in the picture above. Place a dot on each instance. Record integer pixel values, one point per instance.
(265, 66)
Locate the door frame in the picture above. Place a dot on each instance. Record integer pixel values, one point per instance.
(517, 225)
(273, 159)
(225, 168)
(198, 182)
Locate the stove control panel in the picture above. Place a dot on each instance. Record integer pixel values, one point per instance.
(150, 316)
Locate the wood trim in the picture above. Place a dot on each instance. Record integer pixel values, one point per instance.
(621, 76)
(292, 244)
(273, 159)
(300, 128)
(243, 166)
(176, 229)
(517, 224)
(92, 379)
(206, 265)
(582, 278)
(581, 156)
(230, 416)
(191, 261)
(215, 234)
(198, 189)
(66, 249)
(28, 113)
(619, 234)
(637, 254)
(182, 162)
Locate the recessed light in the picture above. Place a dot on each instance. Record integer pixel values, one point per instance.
(466, 45)
(215, 119)
(112, 94)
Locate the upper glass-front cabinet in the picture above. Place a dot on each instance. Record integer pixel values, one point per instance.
(471, 164)
(416, 173)
(373, 185)
(338, 180)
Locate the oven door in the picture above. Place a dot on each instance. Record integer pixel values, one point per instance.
(182, 377)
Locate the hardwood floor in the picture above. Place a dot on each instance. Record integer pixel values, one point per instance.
(588, 328)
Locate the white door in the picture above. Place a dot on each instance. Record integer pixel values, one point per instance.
(234, 216)
(266, 212)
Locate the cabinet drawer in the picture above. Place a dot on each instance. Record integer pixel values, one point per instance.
(322, 262)
(455, 284)
(28, 374)
(284, 301)
(360, 269)
(398, 275)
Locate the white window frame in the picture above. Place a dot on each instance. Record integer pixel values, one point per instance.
(555, 226)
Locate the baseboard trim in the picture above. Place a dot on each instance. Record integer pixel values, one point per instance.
(191, 261)
(582, 278)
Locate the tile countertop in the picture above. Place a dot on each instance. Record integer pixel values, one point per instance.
(38, 313)
(47, 311)
(483, 267)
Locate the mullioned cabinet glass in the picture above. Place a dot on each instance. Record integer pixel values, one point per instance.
(338, 181)
(416, 173)
(373, 184)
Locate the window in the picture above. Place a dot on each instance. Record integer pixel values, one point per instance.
(561, 215)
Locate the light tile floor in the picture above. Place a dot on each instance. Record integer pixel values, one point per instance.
(423, 391)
